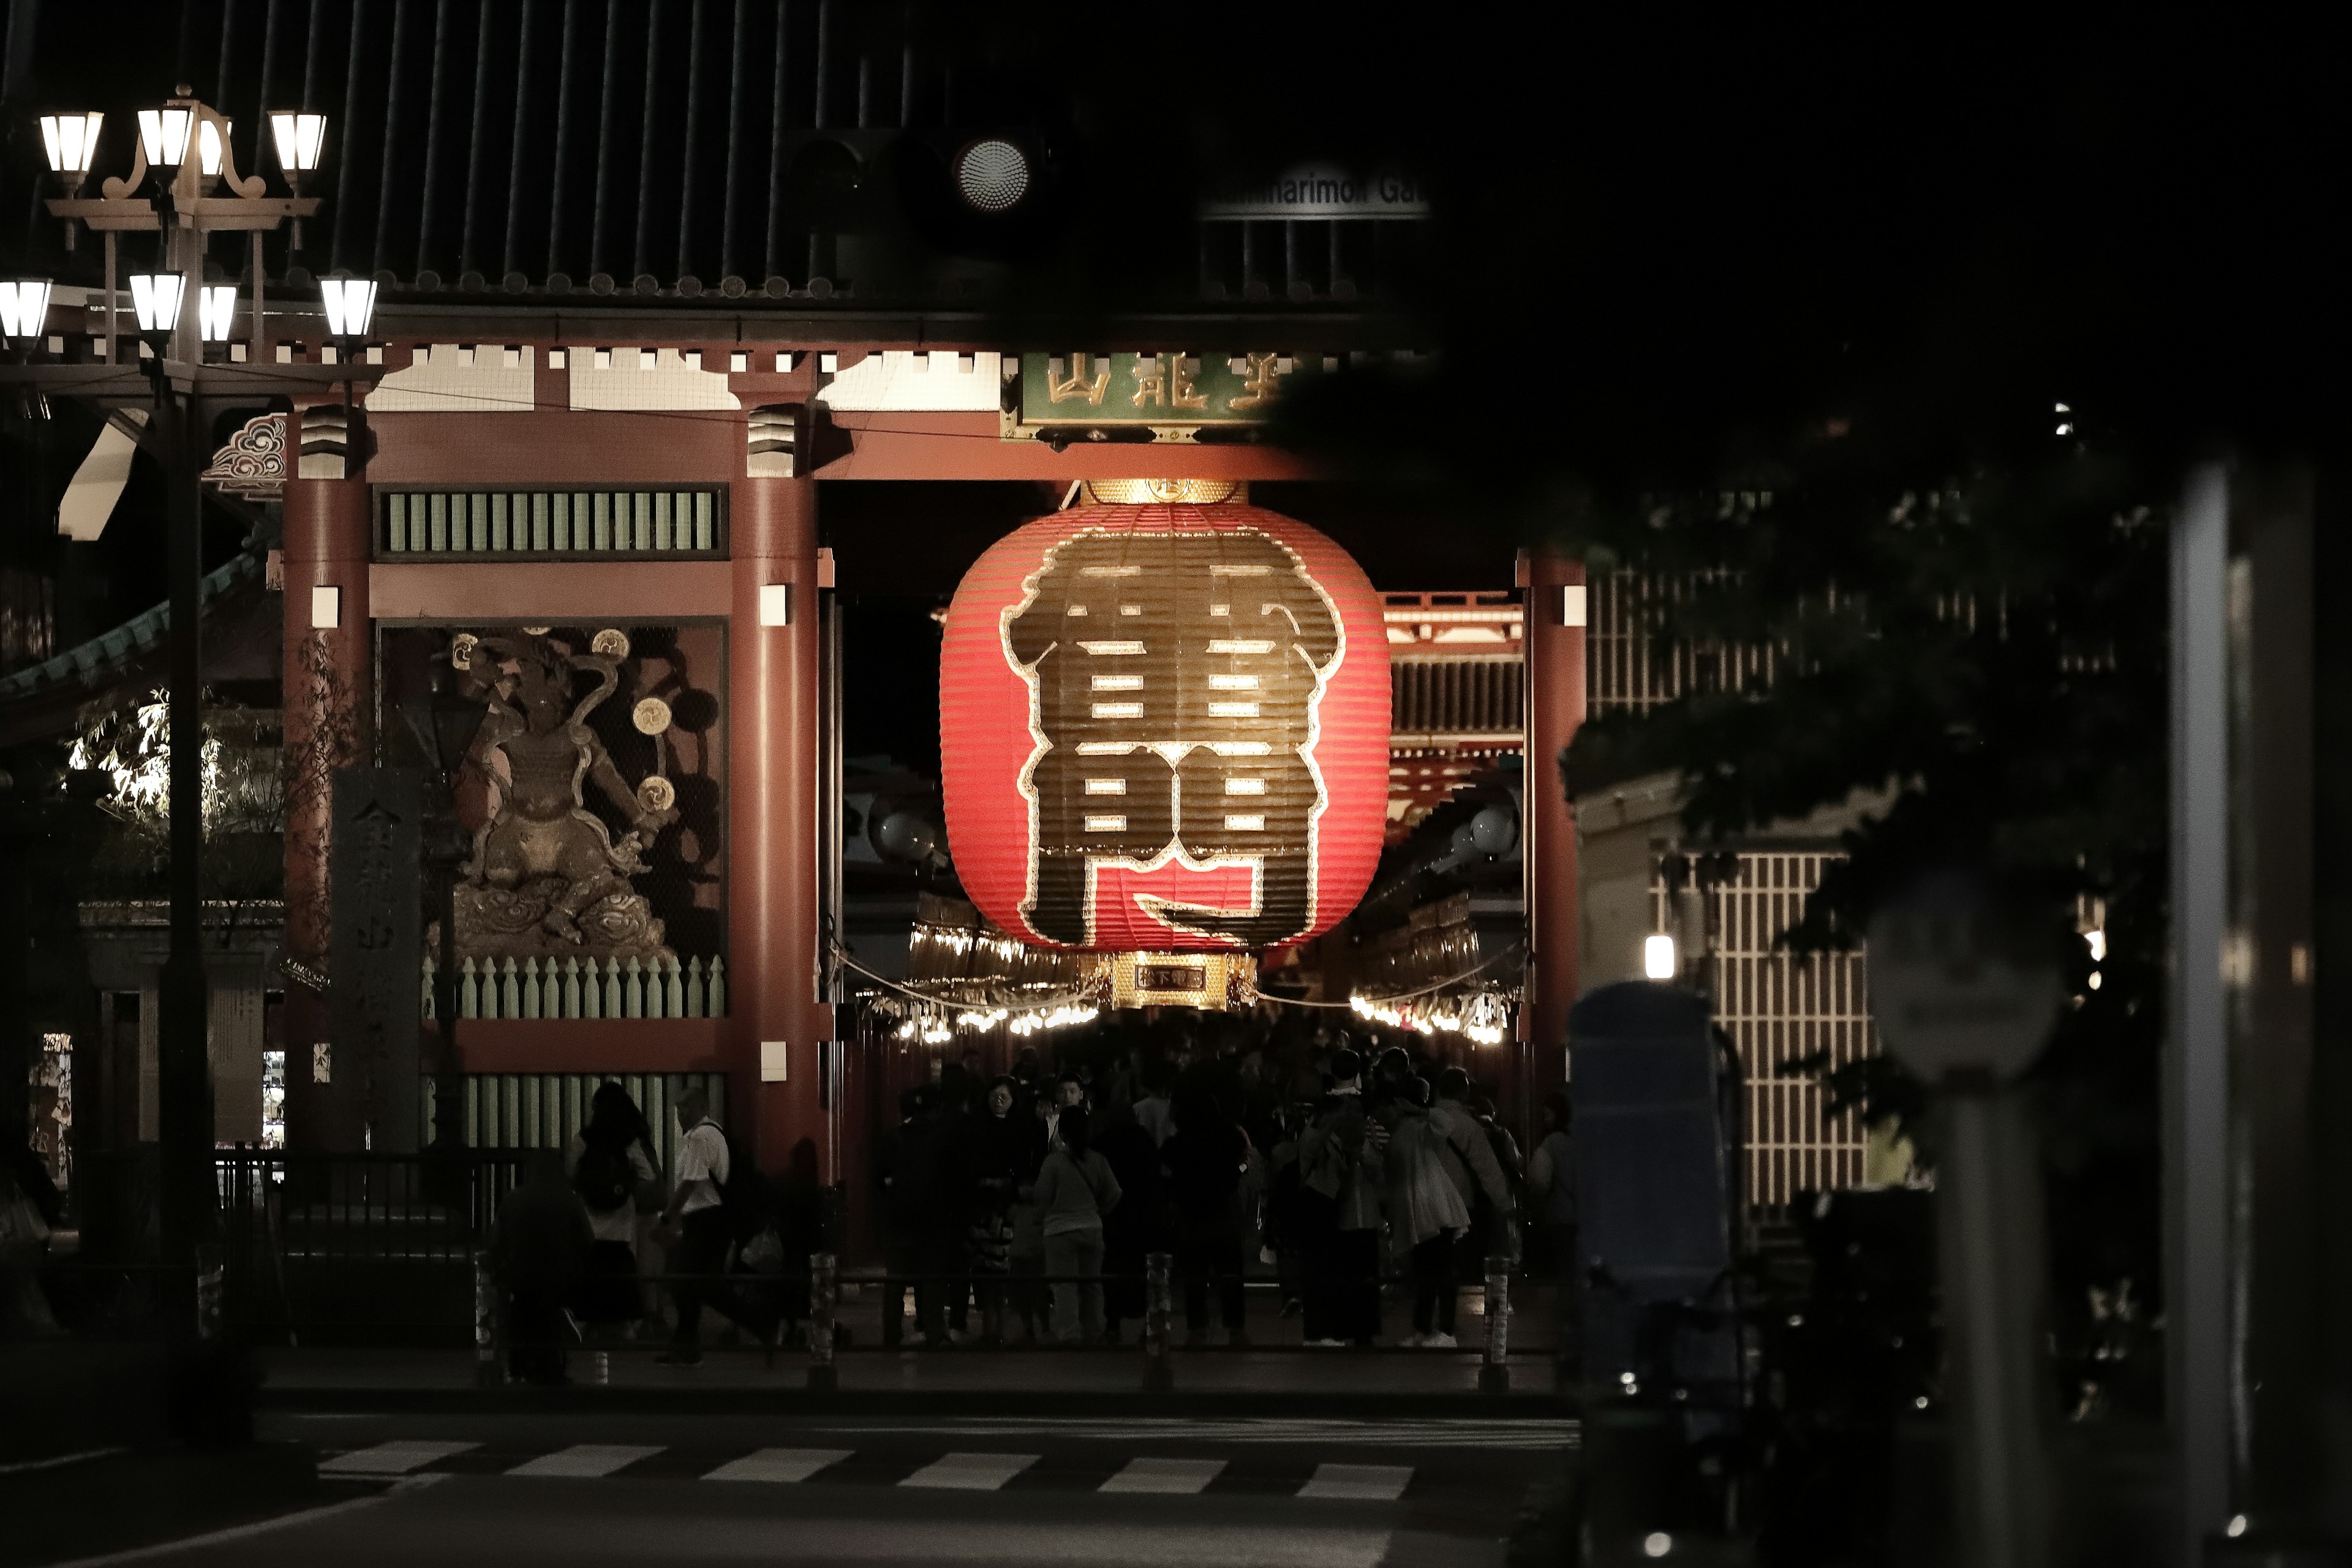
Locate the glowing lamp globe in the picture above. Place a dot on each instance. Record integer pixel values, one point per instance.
(1164, 724)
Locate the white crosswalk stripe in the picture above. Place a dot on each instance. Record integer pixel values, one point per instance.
(1359, 1483)
(391, 1458)
(585, 1460)
(778, 1465)
(960, 1472)
(1177, 1476)
(971, 1472)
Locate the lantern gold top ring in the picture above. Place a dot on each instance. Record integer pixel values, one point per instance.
(1163, 492)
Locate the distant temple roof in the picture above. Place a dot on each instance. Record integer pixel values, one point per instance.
(795, 150)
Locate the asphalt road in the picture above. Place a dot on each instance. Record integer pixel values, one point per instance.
(638, 1490)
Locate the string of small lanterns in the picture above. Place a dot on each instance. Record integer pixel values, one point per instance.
(1483, 1016)
(935, 1020)
(1481, 1019)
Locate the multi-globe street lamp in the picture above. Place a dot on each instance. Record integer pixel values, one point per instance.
(184, 186)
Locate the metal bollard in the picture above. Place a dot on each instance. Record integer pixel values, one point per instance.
(209, 1287)
(1159, 1377)
(824, 1294)
(487, 1372)
(1494, 1367)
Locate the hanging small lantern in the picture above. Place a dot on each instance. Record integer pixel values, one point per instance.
(1164, 727)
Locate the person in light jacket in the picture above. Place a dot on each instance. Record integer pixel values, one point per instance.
(1075, 1189)
(1477, 1174)
(1426, 1214)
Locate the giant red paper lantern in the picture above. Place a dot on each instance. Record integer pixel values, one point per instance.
(1164, 726)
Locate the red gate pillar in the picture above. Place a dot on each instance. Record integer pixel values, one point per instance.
(772, 757)
(1555, 654)
(330, 697)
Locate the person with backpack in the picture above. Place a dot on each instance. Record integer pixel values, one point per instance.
(1427, 1216)
(701, 1226)
(1075, 1190)
(609, 1160)
(1485, 1185)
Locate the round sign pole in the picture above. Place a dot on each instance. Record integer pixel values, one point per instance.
(1956, 1008)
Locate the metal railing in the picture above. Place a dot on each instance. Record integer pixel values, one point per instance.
(824, 1281)
(394, 1246)
(355, 1244)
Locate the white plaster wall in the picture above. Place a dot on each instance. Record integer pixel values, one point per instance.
(450, 378)
(629, 384)
(918, 382)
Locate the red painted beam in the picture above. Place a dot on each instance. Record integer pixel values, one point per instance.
(968, 447)
(556, 590)
(591, 1046)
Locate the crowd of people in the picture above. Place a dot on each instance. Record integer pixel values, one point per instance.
(1022, 1208)
(1030, 1202)
(587, 1224)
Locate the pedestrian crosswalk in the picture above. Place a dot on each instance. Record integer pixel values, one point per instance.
(392, 1458)
(969, 1472)
(778, 1465)
(1520, 1433)
(1359, 1483)
(957, 1470)
(585, 1461)
(1182, 1477)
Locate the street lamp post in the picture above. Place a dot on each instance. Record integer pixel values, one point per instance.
(181, 161)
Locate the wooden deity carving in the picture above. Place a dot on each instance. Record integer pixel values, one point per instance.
(547, 877)
(1176, 678)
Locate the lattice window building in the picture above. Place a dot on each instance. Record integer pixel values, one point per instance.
(1779, 1007)
(1625, 669)
(1776, 1006)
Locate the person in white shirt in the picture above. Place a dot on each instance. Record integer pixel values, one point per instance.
(695, 1228)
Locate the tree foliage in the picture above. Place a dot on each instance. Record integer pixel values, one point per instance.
(1986, 647)
(125, 739)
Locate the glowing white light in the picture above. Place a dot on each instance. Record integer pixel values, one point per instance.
(2096, 940)
(155, 298)
(24, 306)
(350, 304)
(1658, 957)
(2237, 1526)
(300, 139)
(216, 312)
(70, 141)
(163, 136)
(210, 143)
(1657, 1543)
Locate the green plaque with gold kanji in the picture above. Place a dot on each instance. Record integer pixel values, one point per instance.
(1061, 392)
